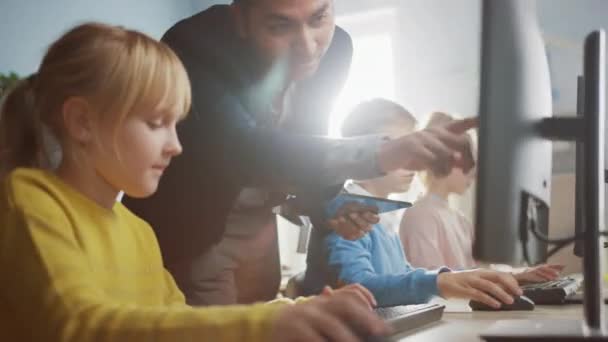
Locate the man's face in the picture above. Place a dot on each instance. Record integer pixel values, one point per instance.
(294, 32)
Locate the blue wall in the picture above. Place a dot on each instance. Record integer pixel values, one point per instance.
(199, 5)
(27, 27)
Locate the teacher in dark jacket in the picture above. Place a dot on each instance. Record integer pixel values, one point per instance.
(264, 77)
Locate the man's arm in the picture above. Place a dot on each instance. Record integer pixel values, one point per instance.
(221, 124)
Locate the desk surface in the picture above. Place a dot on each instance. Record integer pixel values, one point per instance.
(456, 327)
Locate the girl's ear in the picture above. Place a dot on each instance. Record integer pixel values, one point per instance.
(78, 120)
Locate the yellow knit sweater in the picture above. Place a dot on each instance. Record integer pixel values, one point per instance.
(71, 270)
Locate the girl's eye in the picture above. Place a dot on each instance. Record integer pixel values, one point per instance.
(154, 124)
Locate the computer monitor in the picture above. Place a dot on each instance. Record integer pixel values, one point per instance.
(579, 201)
(514, 166)
(579, 196)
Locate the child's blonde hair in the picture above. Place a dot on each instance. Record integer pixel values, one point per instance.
(116, 70)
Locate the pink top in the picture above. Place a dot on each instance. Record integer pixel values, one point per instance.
(434, 235)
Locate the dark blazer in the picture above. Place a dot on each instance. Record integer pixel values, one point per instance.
(224, 146)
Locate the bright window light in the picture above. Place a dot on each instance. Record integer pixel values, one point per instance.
(371, 75)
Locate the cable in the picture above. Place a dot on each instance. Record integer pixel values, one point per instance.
(559, 243)
(556, 249)
(544, 238)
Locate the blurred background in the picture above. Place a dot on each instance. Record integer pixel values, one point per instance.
(423, 54)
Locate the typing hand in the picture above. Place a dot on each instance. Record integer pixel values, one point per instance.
(356, 290)
(353, 220)
(438, 149)
(539, 274)
(479, 285)
(339, 317)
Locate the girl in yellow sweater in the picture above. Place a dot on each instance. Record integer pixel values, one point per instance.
(76, 265)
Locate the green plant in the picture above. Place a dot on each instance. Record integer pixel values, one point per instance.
(7, 81)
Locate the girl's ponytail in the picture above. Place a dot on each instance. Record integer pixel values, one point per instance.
(21, 129)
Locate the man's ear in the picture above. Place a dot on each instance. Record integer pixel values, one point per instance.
(78, 119)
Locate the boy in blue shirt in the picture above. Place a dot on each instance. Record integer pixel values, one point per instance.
(377, 260)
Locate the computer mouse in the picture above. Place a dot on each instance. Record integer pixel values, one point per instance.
(519, 303)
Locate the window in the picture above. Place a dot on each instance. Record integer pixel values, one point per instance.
(372, 72)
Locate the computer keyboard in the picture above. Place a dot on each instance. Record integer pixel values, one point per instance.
(553, 292)
(407, 317)
(578, 297)
(397, 311)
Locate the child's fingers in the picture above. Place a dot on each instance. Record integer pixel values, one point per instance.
(505, 280)
(482, 297)
(362, 293)
(493, 289)
(327, 291)
(547, 273)
(359, 316)
(557, 267)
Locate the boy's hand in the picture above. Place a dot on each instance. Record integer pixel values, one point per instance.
(486, 286)
(539, 274)
(336, 317)
(353, 220)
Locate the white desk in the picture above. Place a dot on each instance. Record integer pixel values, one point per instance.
(457, 327)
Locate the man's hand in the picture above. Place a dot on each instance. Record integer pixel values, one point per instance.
(438, 149)
(539, 274)
(488, 287)
(353, 220)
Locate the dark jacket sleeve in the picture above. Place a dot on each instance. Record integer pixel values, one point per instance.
(252, 155)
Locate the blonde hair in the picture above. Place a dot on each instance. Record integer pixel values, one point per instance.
(117, 70)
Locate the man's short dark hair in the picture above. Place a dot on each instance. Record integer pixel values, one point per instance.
(243, 3)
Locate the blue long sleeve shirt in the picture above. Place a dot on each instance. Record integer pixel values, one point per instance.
(377, 261)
